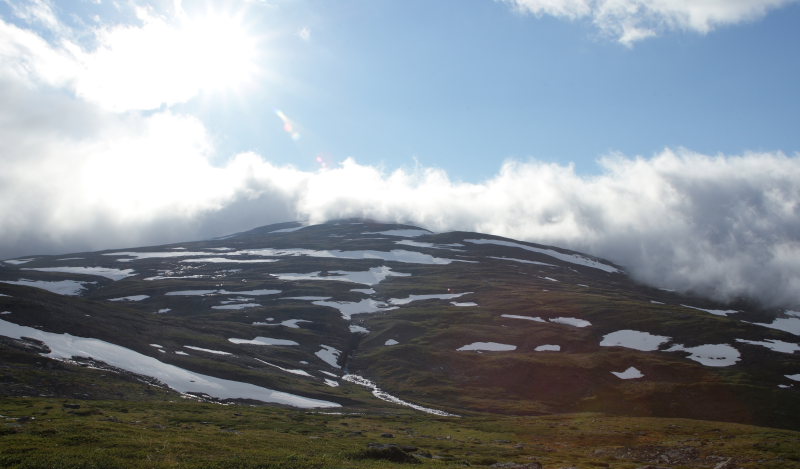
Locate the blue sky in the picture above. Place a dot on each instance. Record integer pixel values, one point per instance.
(660, 135)
(464, 85)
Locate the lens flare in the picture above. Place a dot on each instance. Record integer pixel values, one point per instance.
(322, 160)
(288, 125)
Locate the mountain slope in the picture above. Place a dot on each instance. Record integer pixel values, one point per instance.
(451, 322)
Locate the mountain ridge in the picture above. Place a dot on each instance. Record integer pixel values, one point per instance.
(457, 322)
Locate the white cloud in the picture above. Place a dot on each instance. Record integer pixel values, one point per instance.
(725, 226)
(160, 61)
(633, 20)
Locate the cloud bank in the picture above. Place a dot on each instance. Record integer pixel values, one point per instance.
(726, 226)
(633, 20)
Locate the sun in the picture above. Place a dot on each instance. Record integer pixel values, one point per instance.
(221, 53)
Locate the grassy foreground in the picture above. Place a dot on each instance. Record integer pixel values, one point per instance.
(59, 433)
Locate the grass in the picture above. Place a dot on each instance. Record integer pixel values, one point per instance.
(44, 433)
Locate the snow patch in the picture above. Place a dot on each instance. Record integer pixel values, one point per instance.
(61, 287)
(710, 354)
(790, 325)
(410, 233)
(464, 304)
(288, 230)
(17, 261)
(348, 308)
(331, 383)
(293, 323)
(358, 330)
(395, 255)
(237, 306)
(263, 341)
(200, 349)
(521, 261)
(487, 346)
(417, 244)
(630, 373)
(774, 345)
(329, 355)
(529, 318)
(131, 298)
(571, 258)
(156, 255)
(107, 272)
(225, 260)
(548, 348)
(571, 322)
(715, 312)
(307, 298)
(222, 292)
(370, 277)
(166, 277)
(412, 298)
(384, 396)
(391, 342)
(288, 370)
(636, 340)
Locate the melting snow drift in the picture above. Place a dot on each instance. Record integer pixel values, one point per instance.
(61, 287)
(107, 272)
(487, 347)
(64, 346)
(384, 396)
(630, 373)
(636, 340)
(710, 354)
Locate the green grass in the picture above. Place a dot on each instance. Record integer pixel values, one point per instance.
(42, 433)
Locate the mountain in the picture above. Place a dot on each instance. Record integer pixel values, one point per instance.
(366, 315)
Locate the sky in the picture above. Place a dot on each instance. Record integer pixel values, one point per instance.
(661, 135)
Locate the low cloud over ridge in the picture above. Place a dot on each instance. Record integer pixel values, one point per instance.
(726, 226)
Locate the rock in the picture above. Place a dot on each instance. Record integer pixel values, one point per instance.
(72, 406)
(387, 435)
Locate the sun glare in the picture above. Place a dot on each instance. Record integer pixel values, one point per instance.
(220, 51)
